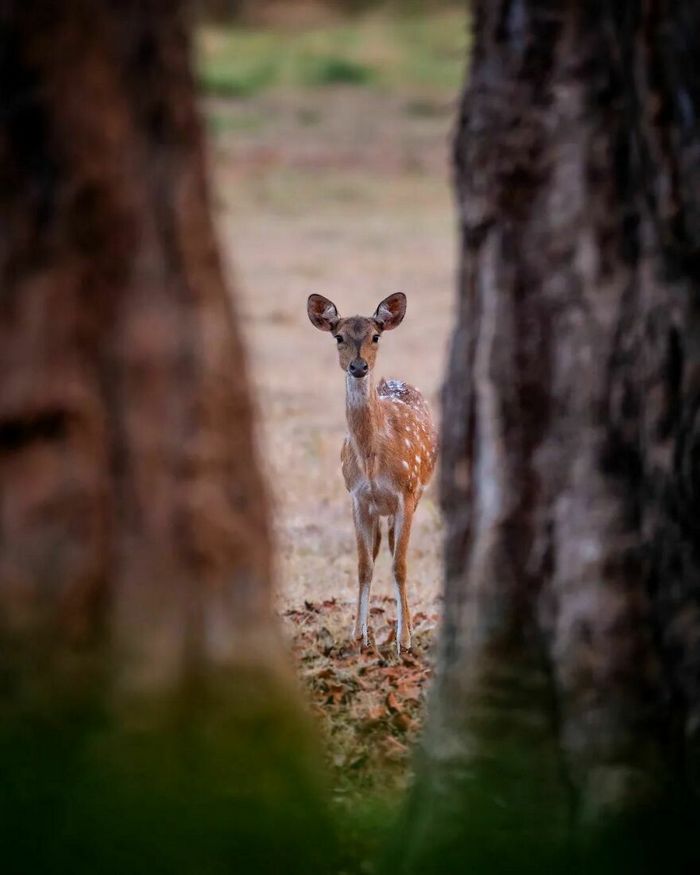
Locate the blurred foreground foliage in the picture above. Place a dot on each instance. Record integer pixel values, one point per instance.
(192, 784)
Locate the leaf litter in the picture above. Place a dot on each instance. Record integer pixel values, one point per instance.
(369, 701)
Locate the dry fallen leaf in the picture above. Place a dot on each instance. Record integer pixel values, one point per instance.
(402, 721)
(392, 702)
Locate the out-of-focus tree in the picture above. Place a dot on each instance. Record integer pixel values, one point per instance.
(146, 718)
(566, 715)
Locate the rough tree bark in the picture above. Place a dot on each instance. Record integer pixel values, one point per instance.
(145, 718)
(566, 716)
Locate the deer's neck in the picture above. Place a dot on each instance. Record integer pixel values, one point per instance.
(365, 418)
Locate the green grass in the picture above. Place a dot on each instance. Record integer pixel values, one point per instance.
(424, 51)
(227, 79)
(331, 70)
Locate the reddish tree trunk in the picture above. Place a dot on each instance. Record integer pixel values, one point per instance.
(145, 718)
(568, 699)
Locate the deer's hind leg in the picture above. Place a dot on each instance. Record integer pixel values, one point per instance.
(367, 537)
(402, 520)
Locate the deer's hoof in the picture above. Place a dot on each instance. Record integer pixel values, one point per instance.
(403, 645)
(363, 638)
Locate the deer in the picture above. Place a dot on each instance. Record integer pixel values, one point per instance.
(388, 455)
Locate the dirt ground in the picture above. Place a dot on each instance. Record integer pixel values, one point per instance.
(344, 192)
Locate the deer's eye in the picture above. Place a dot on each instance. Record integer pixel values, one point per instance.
(375, 339)
(339, 338)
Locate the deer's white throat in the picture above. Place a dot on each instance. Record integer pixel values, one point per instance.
(357, 390)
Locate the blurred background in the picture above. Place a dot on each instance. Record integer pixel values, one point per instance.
(329, 127)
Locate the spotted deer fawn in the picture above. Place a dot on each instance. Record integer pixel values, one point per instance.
(388, 455)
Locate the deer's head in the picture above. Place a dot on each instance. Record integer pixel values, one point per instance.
(357, 337)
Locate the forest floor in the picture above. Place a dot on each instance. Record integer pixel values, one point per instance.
(343, 190)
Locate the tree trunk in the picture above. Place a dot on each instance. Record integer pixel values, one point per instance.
(567, 707)
(146, 722)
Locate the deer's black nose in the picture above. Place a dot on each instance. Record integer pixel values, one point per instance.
(358, 368)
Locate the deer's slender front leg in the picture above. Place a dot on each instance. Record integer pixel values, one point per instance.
(402, 523)
(366, 526)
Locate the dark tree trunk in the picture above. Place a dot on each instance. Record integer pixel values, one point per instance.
(145, 720)
(568, 701)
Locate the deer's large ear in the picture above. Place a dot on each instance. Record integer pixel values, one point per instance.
(322, 312)
(389, 314)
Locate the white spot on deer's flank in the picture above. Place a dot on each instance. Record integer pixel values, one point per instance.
(418, 459)
(407, 442)
(405, 464)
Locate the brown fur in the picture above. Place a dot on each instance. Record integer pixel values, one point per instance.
(389, 454)
(376, 443)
